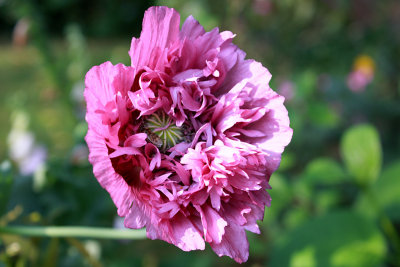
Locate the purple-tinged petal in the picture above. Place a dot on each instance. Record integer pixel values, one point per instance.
(234, 243)
(160, 30)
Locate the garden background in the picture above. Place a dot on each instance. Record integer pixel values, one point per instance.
(336, 196)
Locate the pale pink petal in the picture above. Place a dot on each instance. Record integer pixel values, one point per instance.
(186, 235)
(136, 140)
(213, 224)
(136, 218)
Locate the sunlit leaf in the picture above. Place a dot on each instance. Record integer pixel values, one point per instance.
(295, 217)
(362, 153)
(338, 239)
(304, 257)
(324, 171)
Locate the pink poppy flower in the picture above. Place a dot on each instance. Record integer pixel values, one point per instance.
(186, 138)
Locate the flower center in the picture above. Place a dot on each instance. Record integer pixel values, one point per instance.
(162, 131)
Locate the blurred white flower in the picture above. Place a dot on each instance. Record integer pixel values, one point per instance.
(93, 248)
(29, 156)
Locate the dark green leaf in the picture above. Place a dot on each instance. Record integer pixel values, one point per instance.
(387, 192)
(288, 160)
(337, 239)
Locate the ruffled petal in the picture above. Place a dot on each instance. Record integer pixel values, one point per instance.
(103, 170)
(179, 231)
(102, 86)
(234, 244)
(104, 81)
(213, 224)
(191, 29)
(136, 218)
(186, 235)
(160, 30)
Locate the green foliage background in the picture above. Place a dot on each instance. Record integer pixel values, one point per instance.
(336, 196)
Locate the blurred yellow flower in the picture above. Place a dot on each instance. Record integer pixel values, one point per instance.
(364, 64)
(362, 73)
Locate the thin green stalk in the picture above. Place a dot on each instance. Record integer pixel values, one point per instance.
(73, 231)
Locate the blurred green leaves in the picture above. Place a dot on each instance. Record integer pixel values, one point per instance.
(340, 238)
(362, 153)
(324, 171)
(387, 189)
(321, 114)
(387, 193)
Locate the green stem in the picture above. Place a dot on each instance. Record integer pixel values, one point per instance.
(73, 231)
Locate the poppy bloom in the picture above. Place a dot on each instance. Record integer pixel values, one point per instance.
(186, 138)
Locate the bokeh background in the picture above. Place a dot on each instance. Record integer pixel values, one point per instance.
(336, 196)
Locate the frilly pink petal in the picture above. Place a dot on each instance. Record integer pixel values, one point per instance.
(213, 224)
(119, 191)
(234, 244)
(136, 218)
(160, 30)
(191, 29)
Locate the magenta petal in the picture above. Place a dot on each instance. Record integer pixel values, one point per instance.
(213, 225)
(136, 218)
(186, 235)
(234, 244)
(191, 28)
(160, 30)
(103, 83)
(136, 140)
(125, 151)
(179, 231)
(153, 154)
(105, 174)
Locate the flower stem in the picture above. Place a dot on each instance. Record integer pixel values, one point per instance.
(73, 231)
